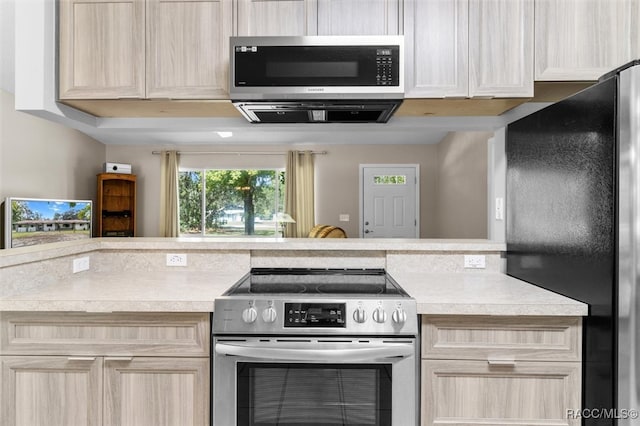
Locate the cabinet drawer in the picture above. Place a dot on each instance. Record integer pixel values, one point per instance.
(502, 338)
(467, 393)
(130, 334)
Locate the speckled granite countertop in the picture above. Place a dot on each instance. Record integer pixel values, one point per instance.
(444, 293)
(470, 293)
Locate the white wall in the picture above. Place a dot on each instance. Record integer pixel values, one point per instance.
(337, 179)
(461, 200)
(42, 159)
(337, 185)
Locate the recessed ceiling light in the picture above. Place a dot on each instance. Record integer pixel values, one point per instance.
(225, 134)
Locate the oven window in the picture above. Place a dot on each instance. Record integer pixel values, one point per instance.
(314, 394)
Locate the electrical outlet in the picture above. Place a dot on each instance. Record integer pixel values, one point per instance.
(176, 259)
(474, 261)
(80, 264)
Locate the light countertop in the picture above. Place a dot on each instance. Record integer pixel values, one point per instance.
(484, 294)
(452, 293)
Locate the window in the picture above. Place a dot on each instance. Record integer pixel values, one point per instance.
(390, 180)
(216, 202)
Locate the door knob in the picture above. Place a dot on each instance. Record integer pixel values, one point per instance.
(366, 231)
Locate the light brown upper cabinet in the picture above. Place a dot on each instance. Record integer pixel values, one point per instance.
(102, 45)
(583, 39)
(501, 48)
(103, 54)
(186, 41)
(318, 17)
(359, 17)
(468, 48)
(277, 17)
(436, 48)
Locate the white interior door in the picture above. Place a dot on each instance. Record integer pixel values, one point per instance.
(389, 201)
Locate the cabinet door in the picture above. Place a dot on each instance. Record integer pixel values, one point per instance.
(501, 48)
(359, 17)
(101, 50)
(156, 391)
(583, 39)
(436, 48)
(51, 391)
(188, 48)
(466, 393)
(277, 17)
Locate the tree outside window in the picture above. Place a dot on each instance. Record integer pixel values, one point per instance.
(230, 202)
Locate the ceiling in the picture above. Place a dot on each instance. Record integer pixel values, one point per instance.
(237, 131)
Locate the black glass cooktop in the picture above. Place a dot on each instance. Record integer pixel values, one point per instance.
(316, 281)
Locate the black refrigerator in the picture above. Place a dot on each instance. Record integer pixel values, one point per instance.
(573, 227)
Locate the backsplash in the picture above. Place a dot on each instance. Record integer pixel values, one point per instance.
(23, 270)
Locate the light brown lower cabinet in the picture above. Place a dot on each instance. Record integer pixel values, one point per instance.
(516, 371)
(457, 393)
(156, 391)
(121, 369)
(45, 390)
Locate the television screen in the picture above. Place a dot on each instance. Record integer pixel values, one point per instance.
(31, 221)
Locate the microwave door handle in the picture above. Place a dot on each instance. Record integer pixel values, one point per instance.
(308, 353)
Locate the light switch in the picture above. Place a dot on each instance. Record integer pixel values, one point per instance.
(499, 208)
(344, 217)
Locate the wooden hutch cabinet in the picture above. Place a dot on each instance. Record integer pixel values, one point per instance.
(116, 205)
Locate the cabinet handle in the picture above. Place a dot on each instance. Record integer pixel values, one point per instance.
(502, 362)
(118, 358)
(81, 358)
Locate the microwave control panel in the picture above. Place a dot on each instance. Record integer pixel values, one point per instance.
(384, 67)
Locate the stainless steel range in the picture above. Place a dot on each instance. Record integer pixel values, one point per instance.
(315, 347)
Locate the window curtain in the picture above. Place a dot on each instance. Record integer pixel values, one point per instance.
(169, 221)
(298, 193)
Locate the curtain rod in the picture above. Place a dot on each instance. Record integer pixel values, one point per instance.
(237, 152)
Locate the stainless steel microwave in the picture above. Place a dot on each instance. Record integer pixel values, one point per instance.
(317, 67)
(353, 77)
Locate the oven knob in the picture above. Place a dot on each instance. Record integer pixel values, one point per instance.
(359, 315)
(249, 315)
(379, 315)
(399, 316)
(269, 315)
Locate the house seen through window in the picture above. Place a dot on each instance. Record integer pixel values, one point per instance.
(216, 202)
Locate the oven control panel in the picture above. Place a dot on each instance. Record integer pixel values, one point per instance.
(347, 316)
(314, 314)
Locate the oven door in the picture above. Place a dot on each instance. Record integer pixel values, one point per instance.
(314, 382)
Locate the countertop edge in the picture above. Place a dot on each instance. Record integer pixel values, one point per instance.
(21, 255)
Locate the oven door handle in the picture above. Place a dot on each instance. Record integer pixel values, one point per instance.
(336, 353)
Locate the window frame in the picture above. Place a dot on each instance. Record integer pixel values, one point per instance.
(278, 195)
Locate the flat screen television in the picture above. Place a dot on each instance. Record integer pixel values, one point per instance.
(31, 221)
